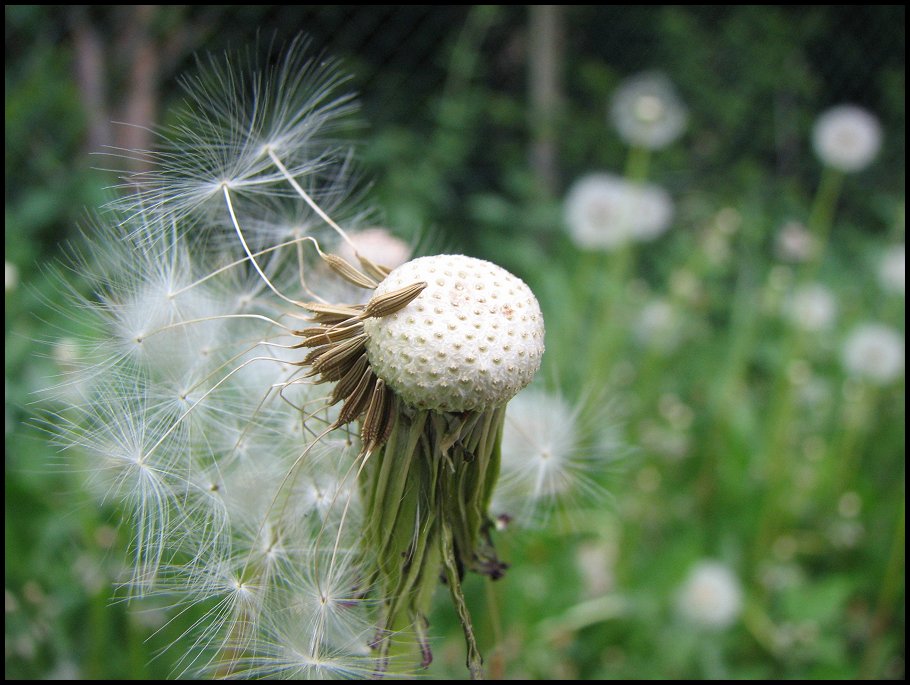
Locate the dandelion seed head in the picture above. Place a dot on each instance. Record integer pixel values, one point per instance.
(670, 442)
(596, 562)
(850, 504)
(647, 111)
(659, 325)
(711, 596)
(845, 534)
(473, 338)
(847, 138)
(811, 307)
(604, 212)
(794, 242)
(874, 352)
(891, 269)
(10, 276)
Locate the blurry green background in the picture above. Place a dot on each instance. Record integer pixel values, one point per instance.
(467, 147)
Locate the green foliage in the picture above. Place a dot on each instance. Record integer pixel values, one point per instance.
(746, 442)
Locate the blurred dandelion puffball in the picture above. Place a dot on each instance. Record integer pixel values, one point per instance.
(472, 339)
(10, 276)
(874, 352)
(659, 325)
(604, 212)
(891, 269)
(795, 243)
(711, 596)
(647, 111)
(811, 307)
(847, 138)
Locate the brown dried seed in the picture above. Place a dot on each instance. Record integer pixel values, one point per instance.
(341, 311)
(323, 335)
(349, 380)
(389, 418)
(348, 271)
(334, 374)
(315, 353)
(357, 401)
(373, 269)
(339, 354)
(374, 414)
(379, 419)
(389, 303)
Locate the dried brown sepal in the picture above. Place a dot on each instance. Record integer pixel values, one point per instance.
(389, 303)
(348, 271)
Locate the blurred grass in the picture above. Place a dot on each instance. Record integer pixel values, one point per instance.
(738, 444)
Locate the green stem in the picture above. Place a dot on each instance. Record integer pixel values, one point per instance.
(775, 456)
(607, 331)
(821, 218)
(497, 662)
(474, 660)
(637, 164)
(605, 277)
(889, 596)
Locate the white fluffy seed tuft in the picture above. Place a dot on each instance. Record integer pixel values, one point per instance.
(472, 339)
(847, 138)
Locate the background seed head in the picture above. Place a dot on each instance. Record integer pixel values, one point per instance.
(647, 111)
(847, 138)
(875, 352)
(711, 597)
(472, 339)
(604, 211)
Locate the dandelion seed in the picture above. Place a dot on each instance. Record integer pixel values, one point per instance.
(847, 138)
(236, 112)
(544, 458)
